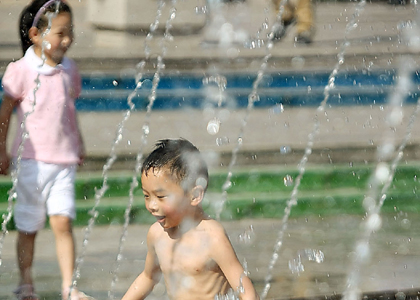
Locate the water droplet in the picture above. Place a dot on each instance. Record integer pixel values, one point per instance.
(47, 45)
(146, 129)
(285, 149)
(369, 203)
(362, 251)
(253, 97)
(114, 83)
(277, 109)
(374, 222)
(154, 26)
(220, 141)
(386, 150)
(406, 224)
(382, 172)
(213, 126)
(298, 62)
(400, 296)
(288, 180)
(227, 185)
(296, 265)
(247, 237)
(141, 64)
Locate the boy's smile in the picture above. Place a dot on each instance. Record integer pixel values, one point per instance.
(164, 198)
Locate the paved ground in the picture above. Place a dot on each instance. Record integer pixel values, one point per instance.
(375, 43)
(393, 265)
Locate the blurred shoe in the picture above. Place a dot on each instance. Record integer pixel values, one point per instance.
(25, 292)
(279, 30)
(304, 37)
(397, 2)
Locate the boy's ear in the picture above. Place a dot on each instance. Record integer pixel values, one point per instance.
(34, 34)
(197, 195)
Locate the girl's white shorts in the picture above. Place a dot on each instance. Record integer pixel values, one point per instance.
(43, 189)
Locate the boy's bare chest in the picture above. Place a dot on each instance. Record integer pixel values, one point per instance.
(189, 256)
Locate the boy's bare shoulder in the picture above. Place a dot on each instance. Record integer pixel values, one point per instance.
(155, 231)
(212, 228)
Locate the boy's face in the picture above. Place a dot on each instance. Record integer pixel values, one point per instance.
(164, 198)
(58, 40)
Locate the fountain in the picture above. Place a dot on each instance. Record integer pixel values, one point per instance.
(229, 130)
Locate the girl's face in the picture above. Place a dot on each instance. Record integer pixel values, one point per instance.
(165, 199)
(57, 41)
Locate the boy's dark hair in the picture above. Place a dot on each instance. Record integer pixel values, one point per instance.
(27, 18)
(183, 161)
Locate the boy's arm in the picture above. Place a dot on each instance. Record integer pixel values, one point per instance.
(144, 283)
(226, 258)
(6, 110)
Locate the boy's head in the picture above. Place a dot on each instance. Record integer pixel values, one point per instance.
(181, 160)
(34, 15)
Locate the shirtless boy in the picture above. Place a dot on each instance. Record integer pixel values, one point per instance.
(190, 249)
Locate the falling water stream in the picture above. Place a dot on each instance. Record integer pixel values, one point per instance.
(145, 132)
(382, 177)
(352, 24)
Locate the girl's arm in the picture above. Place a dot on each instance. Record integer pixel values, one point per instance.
(82, 150)
(6, 111)
(144, 283)
(226, 258)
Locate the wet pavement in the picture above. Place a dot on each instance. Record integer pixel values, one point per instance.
(393, 264)
(347, 134)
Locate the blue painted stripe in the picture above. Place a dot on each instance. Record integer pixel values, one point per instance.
(186, 90)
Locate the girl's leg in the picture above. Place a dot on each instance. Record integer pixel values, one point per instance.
(62, 228)
(25, 255)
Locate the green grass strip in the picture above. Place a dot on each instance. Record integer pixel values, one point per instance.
(255, 193)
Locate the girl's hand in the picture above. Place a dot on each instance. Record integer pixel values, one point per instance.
(82, 155)
(4, 163)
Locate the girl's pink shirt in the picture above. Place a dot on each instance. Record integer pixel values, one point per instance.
(52, 126)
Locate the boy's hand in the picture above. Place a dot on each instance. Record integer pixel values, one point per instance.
(4, 163)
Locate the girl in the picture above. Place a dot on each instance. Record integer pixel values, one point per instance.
(44, 84)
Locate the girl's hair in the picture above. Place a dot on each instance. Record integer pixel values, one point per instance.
(27, 18)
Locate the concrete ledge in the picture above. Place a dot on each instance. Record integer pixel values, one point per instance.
(134, 15)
